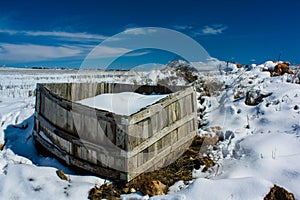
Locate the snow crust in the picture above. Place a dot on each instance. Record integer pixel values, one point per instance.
(124, 103)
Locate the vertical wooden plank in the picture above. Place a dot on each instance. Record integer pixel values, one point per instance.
(143, 129)
(70, 123)
(120, 137)
(111, 132)
(183, 107)
(182, 131)
(166, 141)
(140, 159)
(178, 110)
(133, 163)
(101, 128)
(61, 115)
(42, 104)
(132, 139)
(172, 113)
(78, 123)
(163, 118)
(90, 127)
(188, 104)
(154, 124)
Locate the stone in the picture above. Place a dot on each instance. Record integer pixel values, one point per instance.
(281, 69)
(152, 188)
(279, 193)
(62, 175)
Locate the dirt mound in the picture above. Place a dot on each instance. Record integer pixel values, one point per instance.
(279, 193)
(158, 182)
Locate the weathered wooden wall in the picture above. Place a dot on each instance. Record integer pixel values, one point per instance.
(134, 144)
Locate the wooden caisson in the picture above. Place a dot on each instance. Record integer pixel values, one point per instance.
(114, 146)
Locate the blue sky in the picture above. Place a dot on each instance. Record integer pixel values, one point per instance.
(61, 33)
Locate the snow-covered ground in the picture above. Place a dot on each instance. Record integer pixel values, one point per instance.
(259, 146)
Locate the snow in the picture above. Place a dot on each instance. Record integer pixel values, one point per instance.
(131, 102)
(261, 145)
(21, 181)
(243, 188)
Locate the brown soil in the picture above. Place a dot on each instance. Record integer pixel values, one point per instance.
(181, 169)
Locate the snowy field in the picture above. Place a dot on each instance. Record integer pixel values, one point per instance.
(260, 143)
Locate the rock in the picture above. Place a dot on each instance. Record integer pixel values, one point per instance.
(238, 95)
(279, 193)
(152, 188)
(254, 97)
(105, 191)
(281, 69)
(229, 135)
(238, 65)
(125, 190)
(132, 190)
(62, 175)
(95, 194)
(2, 146)
(211, 140)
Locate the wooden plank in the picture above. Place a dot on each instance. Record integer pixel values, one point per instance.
(61, 117)
(148, 112)
(71, 160)
(90, 128)
(70, 124)
(172, 113)
(157, 161)
(101, 130)
(111, 132)
(160, 135)
(121, 137)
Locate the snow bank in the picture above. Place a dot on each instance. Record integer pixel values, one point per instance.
(124, 103)
(244, 188)
(30, 182)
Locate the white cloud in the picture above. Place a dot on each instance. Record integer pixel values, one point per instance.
(137, 54)
(7, 31)
(213, 29)
(139, 31)
(79, 35)
(183, 27)
(31, 52)
(57, 34)
(107, 52)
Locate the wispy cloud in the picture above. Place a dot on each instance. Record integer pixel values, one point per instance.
(79, 35)
(8, 31)
(139, 31)
(107, 52)
(32, 53)
(215, 29)
(56, 34)
(183, 27)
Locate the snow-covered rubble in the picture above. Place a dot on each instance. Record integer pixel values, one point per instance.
(259, 143)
